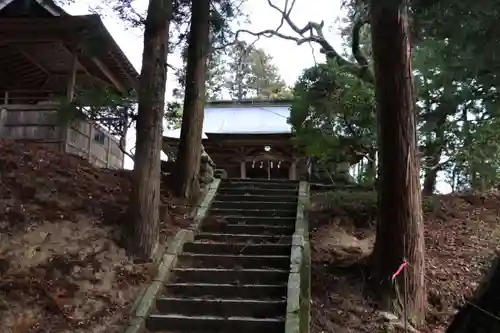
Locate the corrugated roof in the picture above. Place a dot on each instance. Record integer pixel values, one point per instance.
(243, 119)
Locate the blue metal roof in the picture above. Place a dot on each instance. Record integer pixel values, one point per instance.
(243, 119)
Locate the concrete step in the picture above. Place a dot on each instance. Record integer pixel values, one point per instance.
(266, 205)
(257, 197)
(256, 229)
(241, 190)
(226, 290)
(230, 276)
(251, 220)
(237, 248)
(221, 307)
(233, 261)
(243, 238)
(156, 322)
(220, 212)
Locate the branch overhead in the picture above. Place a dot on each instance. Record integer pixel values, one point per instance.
(312, 32)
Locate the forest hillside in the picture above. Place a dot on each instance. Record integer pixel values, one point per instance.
(62, 266)
(461, 235)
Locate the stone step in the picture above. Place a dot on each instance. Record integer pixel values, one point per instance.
(223, 212)
(263, 192)
(260, 184)
(340, 187)
(232, 261)
(221, 307)
(257, 197)
(226, 290)
(157, 322)
(263, 229)
(237, 248)
(251, 220)
(261, 180)
(260, 205)
(230, 276)
(243, 238)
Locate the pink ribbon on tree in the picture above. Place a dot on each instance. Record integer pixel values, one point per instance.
(400, 269)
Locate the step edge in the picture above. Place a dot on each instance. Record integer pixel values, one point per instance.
(273, 256)
(259, 196)
(240, 235)
(255, 202)
(264, 184)
(246, 209)
(253, 226)
(220, 300)
(240, 244)
(188, 284)
(247, 270)
(215, 318)
(263, 217)
(231, 188)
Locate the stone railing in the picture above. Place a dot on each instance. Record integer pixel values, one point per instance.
(207, 167)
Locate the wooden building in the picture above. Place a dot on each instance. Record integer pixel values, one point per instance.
(248, 139)
(47, 56)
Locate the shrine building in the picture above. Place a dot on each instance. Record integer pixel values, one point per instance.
(248, 139)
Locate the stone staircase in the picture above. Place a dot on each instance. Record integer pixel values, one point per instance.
(233, 276)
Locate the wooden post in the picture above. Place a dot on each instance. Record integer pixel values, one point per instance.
(89, 148)
(292, 172)
(108, 148)
(123, 139)
(3, 119)
(243, 169)
(70, 92)
(6, 98)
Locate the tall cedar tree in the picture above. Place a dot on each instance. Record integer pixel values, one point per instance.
(145, 193)
(400, 233)
(189, 151)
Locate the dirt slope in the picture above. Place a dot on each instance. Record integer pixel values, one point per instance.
(461, 233)
(61, 269)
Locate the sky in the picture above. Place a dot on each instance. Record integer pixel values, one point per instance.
(290, 58)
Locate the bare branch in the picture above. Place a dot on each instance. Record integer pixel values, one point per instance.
(313, 55)
(128, 153)
(312, 32)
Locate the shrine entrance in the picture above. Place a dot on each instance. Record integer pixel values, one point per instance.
(267, 169)
(256, 156)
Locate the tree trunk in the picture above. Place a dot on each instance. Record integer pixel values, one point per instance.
(433, 154)
(434, 148)
(372, 166)
(145, 192)
(400, 228)
(189, 153)
(430, 178)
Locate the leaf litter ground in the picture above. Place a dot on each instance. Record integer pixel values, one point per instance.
(461, 234)
(61, 268)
